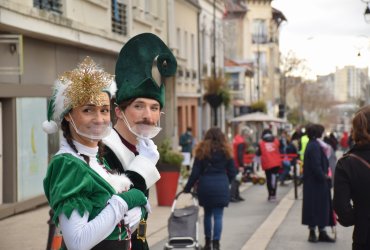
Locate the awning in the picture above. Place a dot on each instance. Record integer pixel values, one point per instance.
(257, 117)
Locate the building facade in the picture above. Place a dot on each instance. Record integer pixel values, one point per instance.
(39, 40)
(252, 37)
(211, 56)
(351, 84)
(186, 15)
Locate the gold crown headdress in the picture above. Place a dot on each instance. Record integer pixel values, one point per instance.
(75, 88)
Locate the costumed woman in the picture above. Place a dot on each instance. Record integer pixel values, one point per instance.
(93, 207)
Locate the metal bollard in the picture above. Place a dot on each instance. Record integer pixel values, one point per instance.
(295, 182)
(51, 230)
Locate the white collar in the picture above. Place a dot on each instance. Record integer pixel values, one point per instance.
(82, 149)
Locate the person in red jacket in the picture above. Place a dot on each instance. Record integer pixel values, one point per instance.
(344, 141)
(239, 147)
(268, 150)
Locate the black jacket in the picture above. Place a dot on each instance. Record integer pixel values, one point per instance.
(316, 204)
(213, 175)
(352, 192)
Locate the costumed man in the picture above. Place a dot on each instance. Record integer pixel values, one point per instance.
(142, 68)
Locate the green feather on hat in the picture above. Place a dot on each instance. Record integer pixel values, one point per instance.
(142, 67)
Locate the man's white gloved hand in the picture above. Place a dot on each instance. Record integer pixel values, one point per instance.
(132, 218)
(148, 207)
(148, 149)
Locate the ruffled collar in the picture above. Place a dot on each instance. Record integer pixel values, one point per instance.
(82, 149)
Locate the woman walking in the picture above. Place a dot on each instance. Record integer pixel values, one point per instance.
(214, 170)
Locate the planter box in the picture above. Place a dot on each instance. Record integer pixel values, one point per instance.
(167, 185)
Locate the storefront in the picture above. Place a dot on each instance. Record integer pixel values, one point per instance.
(28, 68)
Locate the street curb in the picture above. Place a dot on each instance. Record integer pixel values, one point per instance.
(262, 236)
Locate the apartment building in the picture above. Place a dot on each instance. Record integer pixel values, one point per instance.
(351, 84)
(186, 52)
(263, 46)
(252, 38)
(211, 55)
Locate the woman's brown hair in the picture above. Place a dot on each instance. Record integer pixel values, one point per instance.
(361, 126)
(214, 141)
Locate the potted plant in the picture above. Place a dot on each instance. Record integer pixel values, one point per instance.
(169, 159)
(169, 165)
(216, 93)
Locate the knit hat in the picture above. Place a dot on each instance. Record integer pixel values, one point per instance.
(75, 88)
(142, 67)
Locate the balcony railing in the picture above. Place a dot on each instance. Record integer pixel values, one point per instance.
(49, 5)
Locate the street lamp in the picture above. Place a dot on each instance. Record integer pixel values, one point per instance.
(367, 11)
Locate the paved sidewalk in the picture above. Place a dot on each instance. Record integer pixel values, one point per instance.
(253, 224)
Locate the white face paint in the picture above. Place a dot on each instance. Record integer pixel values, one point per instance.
(143, 131)
(93, 131)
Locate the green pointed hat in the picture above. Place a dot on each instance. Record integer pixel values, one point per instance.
(142, 67)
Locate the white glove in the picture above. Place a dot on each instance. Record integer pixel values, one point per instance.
(119, 206)
(132, 218)
(148, 207)
(148, 149)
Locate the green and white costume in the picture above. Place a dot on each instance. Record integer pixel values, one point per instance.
(141, 170)
(84, 200)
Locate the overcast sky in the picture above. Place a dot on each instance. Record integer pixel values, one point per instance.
(327, 33)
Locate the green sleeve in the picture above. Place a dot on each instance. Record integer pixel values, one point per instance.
(133, 198)
(70, 184)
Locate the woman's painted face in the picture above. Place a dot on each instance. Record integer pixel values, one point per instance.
(90, 122)
(141, 117)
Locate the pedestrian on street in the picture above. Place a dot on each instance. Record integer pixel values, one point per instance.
(139, 100)
(187, 141)
(330, 153)
(344, 141)
(239, 149)
(288, 149)
(213, 170)
(268, 150)
(316, 209)
(89, 201)
(351, 182)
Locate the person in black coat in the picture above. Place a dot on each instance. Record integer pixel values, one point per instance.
(351, 183)
(316, 209)
(213, 170)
